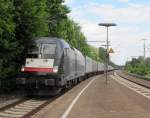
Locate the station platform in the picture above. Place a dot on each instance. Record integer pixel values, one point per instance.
(92, 98)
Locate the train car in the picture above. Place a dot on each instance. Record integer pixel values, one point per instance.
(100, 67)
(94, 67)
(50, 65)
(80, 65)
(88, 66)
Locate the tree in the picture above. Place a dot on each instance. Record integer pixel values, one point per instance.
(30, 17)
(139, 66)
(56, 13)
(102, 54)
(8, 44)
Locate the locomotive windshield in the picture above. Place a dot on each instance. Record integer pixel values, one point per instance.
(48, 48)
(42, 50)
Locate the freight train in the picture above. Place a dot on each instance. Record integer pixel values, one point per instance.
(51, 65)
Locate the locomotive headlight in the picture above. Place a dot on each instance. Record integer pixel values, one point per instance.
(39, 56)
(55, 69)
(22, 69)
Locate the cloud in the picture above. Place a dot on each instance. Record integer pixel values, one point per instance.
(132, 25)
(123, 1)
(130, 14)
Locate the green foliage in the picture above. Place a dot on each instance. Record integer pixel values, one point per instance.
(56, 13)
(139, 66)
(8, 44)
(30, 17)
(102, 53)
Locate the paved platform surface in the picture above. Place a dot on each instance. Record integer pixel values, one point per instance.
(99, 101)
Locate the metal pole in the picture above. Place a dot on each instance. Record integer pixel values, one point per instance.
(107, 57)
(144, 48)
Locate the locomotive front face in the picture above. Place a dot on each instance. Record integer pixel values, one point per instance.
(41, 68)
(41, 59)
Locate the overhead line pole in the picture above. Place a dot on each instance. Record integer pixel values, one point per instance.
(144, 48)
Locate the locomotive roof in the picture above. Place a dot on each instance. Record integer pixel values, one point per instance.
(52, 40)
(61, 41)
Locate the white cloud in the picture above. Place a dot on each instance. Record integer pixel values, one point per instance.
(123, 1)
(131, 14)
(126, 37)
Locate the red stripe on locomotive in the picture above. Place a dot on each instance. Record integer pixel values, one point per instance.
(31, 69)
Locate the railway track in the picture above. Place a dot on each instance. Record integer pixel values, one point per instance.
(136, 82)
(25, 108)
(21, 109)
(137, 87)
(28, 106)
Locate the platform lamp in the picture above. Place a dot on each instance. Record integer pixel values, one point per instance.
(107, 25)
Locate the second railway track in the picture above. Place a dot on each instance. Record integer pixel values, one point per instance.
(134, 81)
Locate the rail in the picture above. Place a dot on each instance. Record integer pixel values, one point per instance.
(134, 81)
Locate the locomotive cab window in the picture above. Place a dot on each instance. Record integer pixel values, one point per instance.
(48, 48)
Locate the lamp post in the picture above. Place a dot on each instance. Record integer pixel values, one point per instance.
(107, 48)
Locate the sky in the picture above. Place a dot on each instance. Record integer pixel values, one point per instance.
(131, 16)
